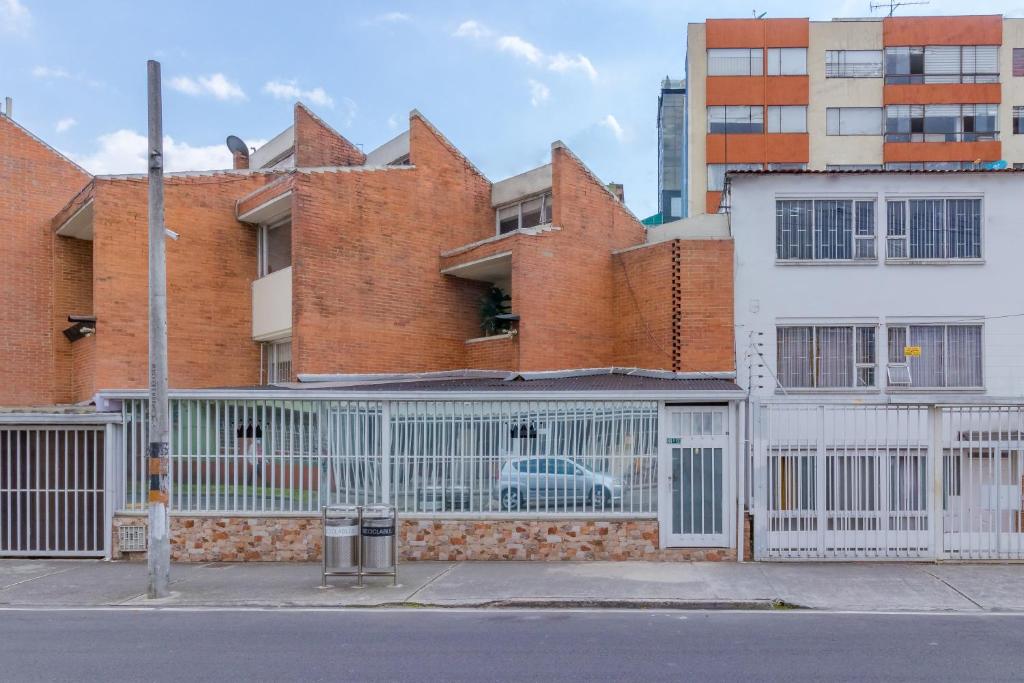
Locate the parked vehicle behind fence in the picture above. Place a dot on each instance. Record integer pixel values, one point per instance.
(555, 482)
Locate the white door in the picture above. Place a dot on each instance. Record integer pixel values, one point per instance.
(696, 474)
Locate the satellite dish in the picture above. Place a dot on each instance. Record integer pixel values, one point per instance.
(237, 145)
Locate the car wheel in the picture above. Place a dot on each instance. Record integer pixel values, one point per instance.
(510, 499)
(600, 498)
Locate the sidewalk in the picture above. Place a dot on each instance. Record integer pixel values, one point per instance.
(835, 586)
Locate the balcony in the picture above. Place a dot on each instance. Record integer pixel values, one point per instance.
(272, 306)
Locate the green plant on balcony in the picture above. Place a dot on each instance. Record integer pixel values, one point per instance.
(493, 304)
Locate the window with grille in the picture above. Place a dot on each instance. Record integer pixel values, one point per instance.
(943, 355)
(735, 62)
(787, 119)
(278, 360)
(1018, 61)
(736, 119)
(824, 229)
(1018, 114)
(787, 61)
(942, 64)
(933, 229)
(826, 356)
(853, 121)
(853, 64)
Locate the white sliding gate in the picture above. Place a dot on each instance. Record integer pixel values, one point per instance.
(53, 498)
(882, 481)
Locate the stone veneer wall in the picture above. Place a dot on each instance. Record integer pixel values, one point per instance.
(244, 539)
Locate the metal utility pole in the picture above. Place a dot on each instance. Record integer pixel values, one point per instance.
(159, 555)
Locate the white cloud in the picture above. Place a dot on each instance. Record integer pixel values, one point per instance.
(392, 17)
(472, 29)
(612, 124)
(49, 71)
(66, 124)
(563, 63)
(349, 112)
(520, 48)
(216, 85)
(392, 122)
(290, 90)
(524, 49)
(124, 151)
(539, 93)
(14, 17)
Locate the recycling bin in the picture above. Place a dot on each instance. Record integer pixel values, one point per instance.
(340, 541)
(378, 540)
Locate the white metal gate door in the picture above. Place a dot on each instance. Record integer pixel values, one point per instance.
(983, 482)
(52, 497)
(697, 476)
(844, 482)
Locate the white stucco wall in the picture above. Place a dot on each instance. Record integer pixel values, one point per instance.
(768, 293)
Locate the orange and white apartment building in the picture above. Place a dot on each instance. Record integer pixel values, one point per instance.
(900, 93)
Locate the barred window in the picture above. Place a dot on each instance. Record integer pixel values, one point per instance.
(826, 357)
(944, 355)
(934, 229)
(824, 229)
(853, 63)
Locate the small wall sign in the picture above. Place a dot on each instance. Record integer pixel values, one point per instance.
(912, 351)
(673, 439)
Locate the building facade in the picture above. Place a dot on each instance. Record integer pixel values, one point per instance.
(671, 140)
(896, 93)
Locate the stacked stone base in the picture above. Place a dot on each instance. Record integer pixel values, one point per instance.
(298, 539)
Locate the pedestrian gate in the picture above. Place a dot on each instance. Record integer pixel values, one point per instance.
(52, 491)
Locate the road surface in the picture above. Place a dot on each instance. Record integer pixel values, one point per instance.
(465, 645)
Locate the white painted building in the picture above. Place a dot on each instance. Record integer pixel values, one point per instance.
(839, 275)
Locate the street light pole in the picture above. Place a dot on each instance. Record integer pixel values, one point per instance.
(159, 555)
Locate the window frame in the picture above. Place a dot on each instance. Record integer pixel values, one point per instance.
(727, 168)
(855, 228)
(545, 212)
(838, 65)
(778, 108)
(839, 122)
(263, 248)
(751, 108)
(273, 364)
(1017, 116)
(779, 51)
(918, 119)
(891, 326)
(912, 77)
(905, 236)
(855, 365)
(750, 61)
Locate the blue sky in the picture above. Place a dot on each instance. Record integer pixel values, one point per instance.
(501, 80)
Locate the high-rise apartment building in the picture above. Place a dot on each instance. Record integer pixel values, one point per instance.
(671, 139)
(898, 93)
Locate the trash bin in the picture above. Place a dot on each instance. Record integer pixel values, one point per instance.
(341, 539)
(378, 538)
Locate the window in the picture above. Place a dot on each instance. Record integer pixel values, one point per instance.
(853, 121)
(787, 167)
(824, 229)
(941, 122)
(853, 63)
(826, 357)
(1018, 61)
(278, 361)
(528, 213)
(736, 119)
(950, 355)
(787, 119)
(274, 248)
(933, 229)
(942, 64)
(716, 173)
(1018, 114)
(930, 165)
(787, 61)
(735, 62)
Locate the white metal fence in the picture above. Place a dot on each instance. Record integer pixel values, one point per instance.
(52, 490)
(294, 456)
(847, 481)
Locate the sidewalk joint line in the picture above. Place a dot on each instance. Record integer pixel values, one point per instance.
(955, 589)
(441, 575)
(36, 578)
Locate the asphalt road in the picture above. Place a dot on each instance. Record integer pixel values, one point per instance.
(429, 645)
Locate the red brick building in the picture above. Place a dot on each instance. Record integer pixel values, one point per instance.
(312, 257)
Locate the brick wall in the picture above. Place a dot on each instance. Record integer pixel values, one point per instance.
(210, 270)
(706, 324)
(499, 352)
(248, 539)
(563, 280)
(644, 307)
(317, 144)
(72, 295)
(35, 182)
(367, 292)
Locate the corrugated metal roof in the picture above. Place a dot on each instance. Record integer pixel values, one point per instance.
(870, 171)
(611, 382)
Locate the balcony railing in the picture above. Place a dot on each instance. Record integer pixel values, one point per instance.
(917, 79)
(272, 305)
(983, 136)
